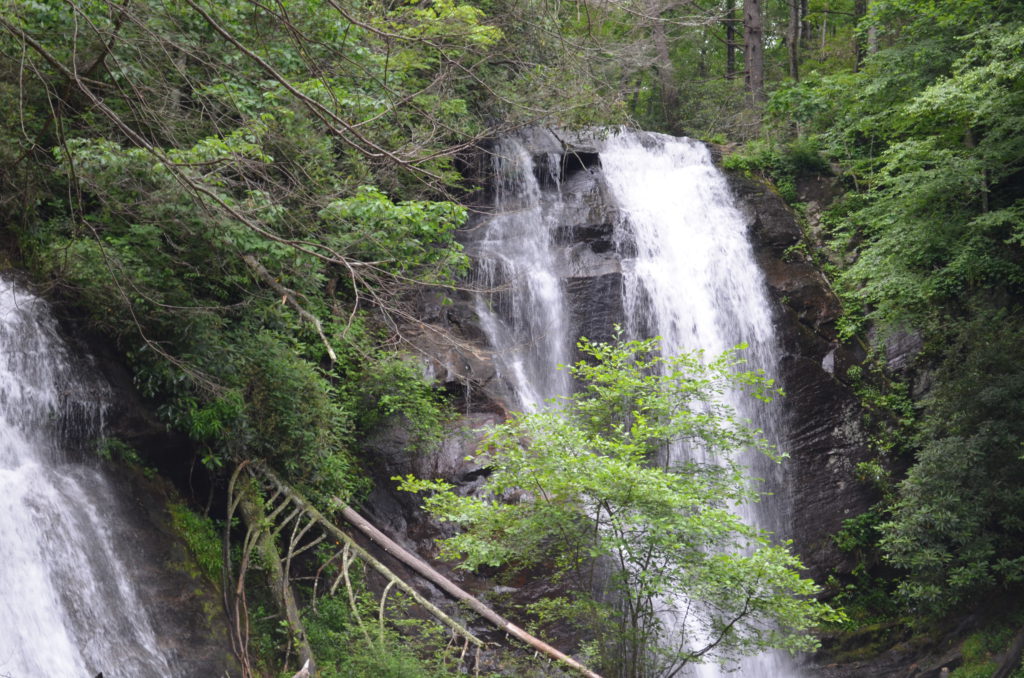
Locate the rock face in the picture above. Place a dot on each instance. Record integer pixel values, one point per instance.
(825, 437)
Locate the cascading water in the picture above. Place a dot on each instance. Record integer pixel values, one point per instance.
(688, 276)
(694, 282)
(524, 311)
(67, 606)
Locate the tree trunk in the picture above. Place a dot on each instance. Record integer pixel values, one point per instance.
(805, 25)
(702, 63)
(446, 585)
(730, 39)
(418, 566)
(666, 78)
(860, 10)
(753, 48)
(824, 32)
(277, 578)
(793, 39)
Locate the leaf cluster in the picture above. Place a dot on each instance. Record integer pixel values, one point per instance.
(588, 489)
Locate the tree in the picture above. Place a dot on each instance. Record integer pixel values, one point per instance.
(793, 37)
(930, 127)
(753, 48)
(730, 39)
(662, 571)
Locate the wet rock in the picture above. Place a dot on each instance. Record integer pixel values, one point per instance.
(826, 440)
(595, 305)
(185, 608)
(825, 443)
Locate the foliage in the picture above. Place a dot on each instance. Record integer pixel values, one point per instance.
(590, 489)
(781, 165)
(115, 449)
(203, 193)
(956, 527)
(930, 133)
(345, 649)
(981, 649)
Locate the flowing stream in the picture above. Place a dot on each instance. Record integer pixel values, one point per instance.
(67, 606)
(688, 276)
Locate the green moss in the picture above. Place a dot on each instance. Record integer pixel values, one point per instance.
(202, 538)
(981, 650)
(781, 165)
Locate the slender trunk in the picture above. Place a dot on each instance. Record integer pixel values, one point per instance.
(872, 36)
(824, 32)
(753, 49)
(860, 10)
(730, 39)
(666, 78)
(805, 25)
(418, 566)
(454, 591)
(702, 64)
(277, 578)
(793, 39)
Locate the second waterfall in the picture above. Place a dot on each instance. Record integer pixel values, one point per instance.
(637, 229)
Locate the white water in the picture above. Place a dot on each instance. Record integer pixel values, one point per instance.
(523, 309)
(692, 281)
(67, 608)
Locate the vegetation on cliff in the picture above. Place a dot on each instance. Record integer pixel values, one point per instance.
(928, 132)
(924, 125)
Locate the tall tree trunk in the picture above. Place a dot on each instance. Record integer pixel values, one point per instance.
(805, 25)
(730, 39)
(793, 39)
(860, 10)
(666, 78)
(824, 32)
(753, 48)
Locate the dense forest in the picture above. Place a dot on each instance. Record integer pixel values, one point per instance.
(244, 197)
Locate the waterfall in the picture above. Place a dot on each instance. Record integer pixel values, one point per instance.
(694, 282)
(67, 606)
(523, 311)
(688, 275)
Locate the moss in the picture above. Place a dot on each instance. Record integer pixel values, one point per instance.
(202, 539)
(864, 642)
(981, 650)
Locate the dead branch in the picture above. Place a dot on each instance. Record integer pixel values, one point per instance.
(422, 569)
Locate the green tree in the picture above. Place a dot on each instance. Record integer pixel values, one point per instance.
(930, 133)
(662, 570)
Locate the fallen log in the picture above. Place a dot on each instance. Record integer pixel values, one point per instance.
(335, 532)
(277, 578)
(449, 587)
(424, 570)
(1011, 661)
